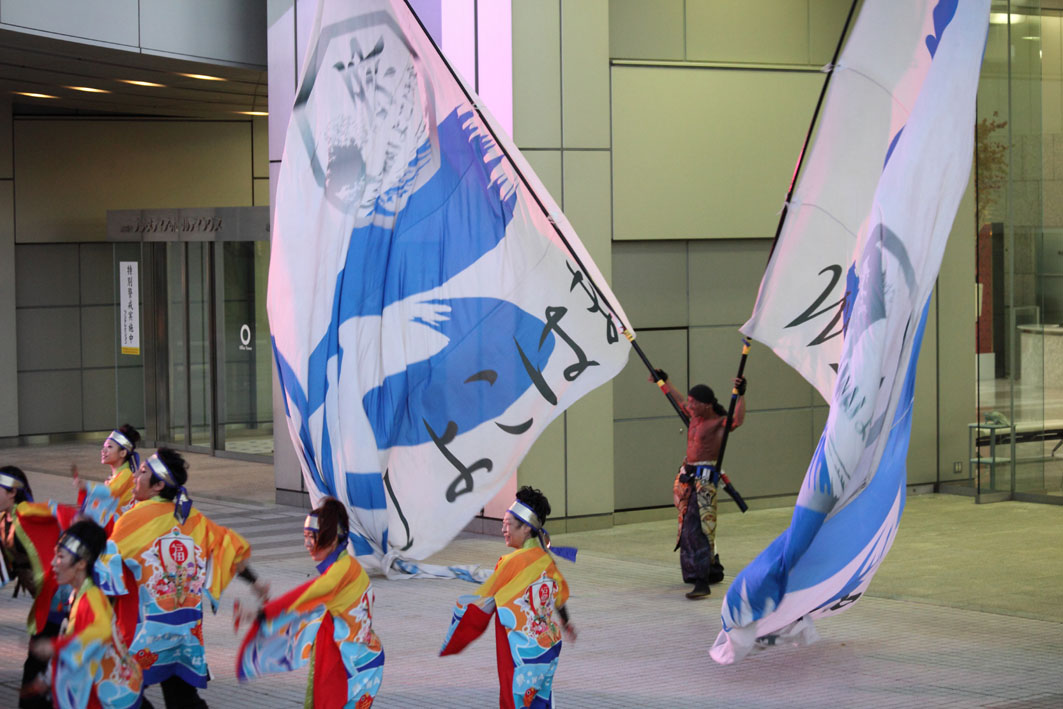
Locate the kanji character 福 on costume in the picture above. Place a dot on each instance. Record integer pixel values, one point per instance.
(178, 558)
(89, 662)
(522, 595)
(326, 622)
(107, 501)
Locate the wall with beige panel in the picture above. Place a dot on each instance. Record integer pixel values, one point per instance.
(701, 153)
(70, 172)
(561, 124)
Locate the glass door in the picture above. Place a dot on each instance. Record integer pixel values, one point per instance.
(244, 370)
(186, 392)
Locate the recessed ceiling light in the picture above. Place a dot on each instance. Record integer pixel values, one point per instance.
(203, 77)
(33, 94)
(134, 82)
(89, 89)
(254, 113)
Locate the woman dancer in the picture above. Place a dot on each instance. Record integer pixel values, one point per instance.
(347, 667)
(114, 497)
(522, 595)
(89, 660)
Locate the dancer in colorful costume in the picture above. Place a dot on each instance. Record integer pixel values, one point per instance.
(177, 557)
(522, 595)
(29, 532)
(113, 497)
(89, 662)
(694, 489)
(328, 619)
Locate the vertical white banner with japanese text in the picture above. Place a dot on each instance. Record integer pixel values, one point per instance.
(129, 307)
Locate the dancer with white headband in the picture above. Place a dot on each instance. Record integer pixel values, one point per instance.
(114, 497)
(522, 595)
(309, 616)
(28, 534)
(89, 660)
(178, 558)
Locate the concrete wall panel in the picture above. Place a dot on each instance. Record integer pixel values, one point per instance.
(644, 30)
(49, 402)
(229, 31)
(647, 454)
(47, 275)
(767, 31)
(585, 82)
(537, 74)
(724, 277)
(48, 338)
(64, 192)
(705, 153)
(114, 22)
(650, 281)
(9, 343)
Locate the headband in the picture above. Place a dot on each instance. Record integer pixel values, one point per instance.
(311, 523)
(107, 571)
(182, 504)
(73, 545)
(11, 482)
(119, 438)
(526, 515)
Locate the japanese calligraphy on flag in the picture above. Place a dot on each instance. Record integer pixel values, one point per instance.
(432, 310)
(807, 286)
(850, 502)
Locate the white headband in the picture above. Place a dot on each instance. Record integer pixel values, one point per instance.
(119, 438)
(161, 471)
(74, 545)
(525, 514)
(11, 482)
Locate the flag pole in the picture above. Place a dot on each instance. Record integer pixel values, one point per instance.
(746, 341)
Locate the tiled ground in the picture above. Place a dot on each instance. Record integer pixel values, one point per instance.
(914, 641)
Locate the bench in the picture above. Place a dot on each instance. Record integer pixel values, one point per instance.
(1024, 432)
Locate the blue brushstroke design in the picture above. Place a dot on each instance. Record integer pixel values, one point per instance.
(482, 333)
(814, 548)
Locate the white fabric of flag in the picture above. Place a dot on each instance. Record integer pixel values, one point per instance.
(800, 309)
(432, 310)
(849, 506)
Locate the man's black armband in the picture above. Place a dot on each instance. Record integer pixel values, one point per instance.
(248, 575)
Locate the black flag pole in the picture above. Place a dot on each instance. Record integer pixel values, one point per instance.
(746, 342)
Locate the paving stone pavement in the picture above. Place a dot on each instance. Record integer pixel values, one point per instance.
(641, 643)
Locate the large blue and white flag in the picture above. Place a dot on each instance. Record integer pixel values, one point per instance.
(801, 307)
(850, 503)
(432, 309)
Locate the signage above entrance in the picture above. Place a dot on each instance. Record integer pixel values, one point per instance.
(200, 224)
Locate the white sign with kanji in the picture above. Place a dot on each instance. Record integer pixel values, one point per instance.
(129, 302)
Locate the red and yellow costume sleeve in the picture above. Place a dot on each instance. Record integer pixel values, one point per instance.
(343, 668)
(88, 654)
(119, 487)
(37, 527)
(514, 573)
